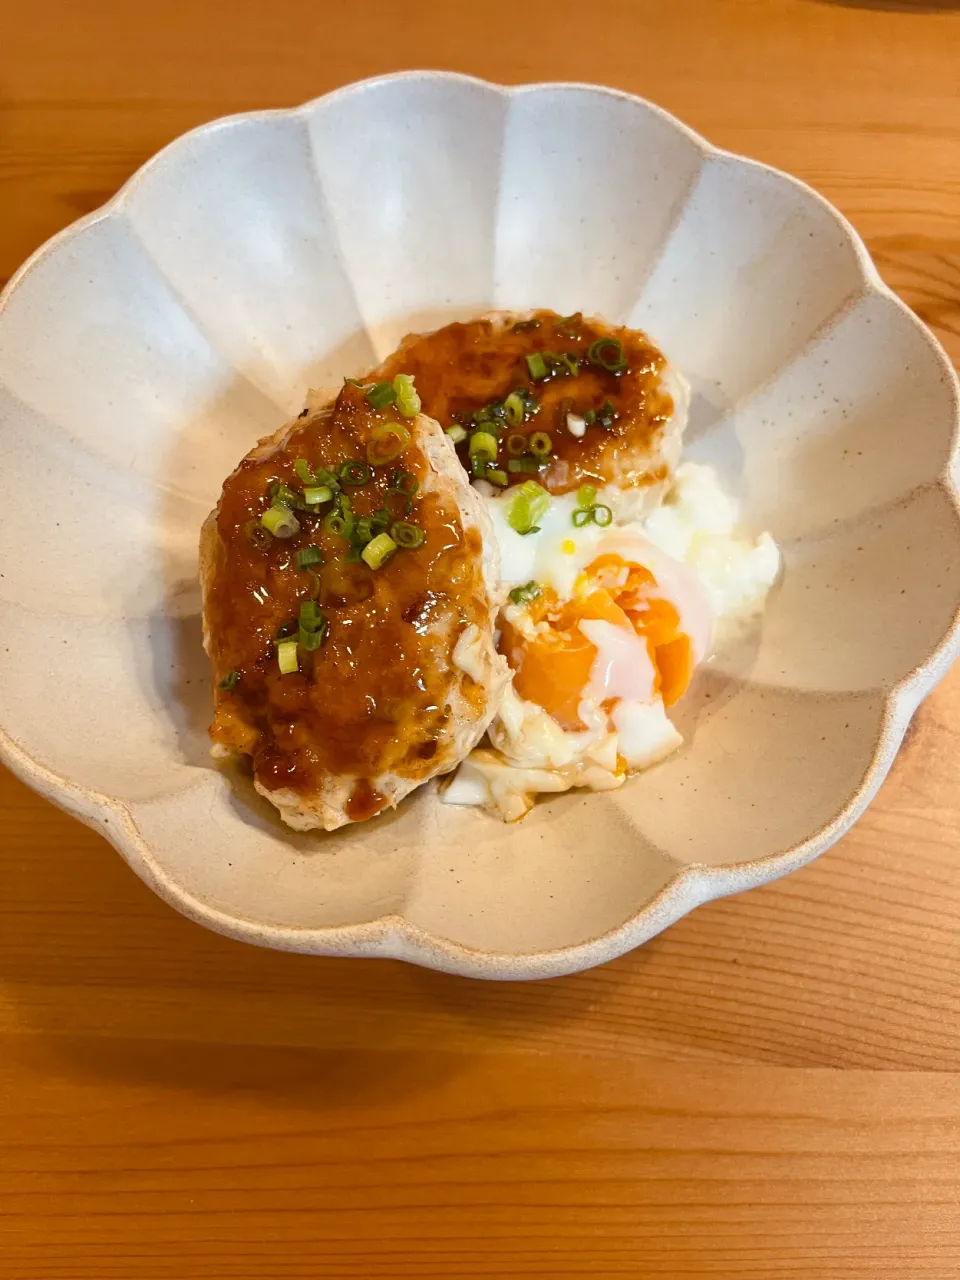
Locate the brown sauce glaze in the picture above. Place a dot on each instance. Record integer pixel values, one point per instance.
(465, 366)
(374, 697)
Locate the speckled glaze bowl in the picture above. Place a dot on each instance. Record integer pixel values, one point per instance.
(144, 349)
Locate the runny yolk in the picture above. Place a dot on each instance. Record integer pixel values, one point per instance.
(554, 669)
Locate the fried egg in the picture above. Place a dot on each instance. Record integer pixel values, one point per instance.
(605, 622)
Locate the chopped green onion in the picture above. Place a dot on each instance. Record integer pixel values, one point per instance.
(282, 495)
(491, 415)
(515, 409)
(380, 519)
(606, 414)
(280, 521)
(312, 626)
(537, 366)
(287, 657)
(524, 594)
(379, 551)
(407, 535)
(315, 495)
(598, 512)
(530, 503)
(540, 444)
(355, 473)
(516, 445)
(516, 465)
(569, 324)
(456, 433)
(586, 495)
(230, 680)
(484, 445)
(607, 353)
(302, 468)
(404, 482)
(310, 616)
(311, 640)
(387, 442)
(569, 362)
(498, 477)
(523, 325)
(339, 523)
(257, 534)
(590, 417)
(381, 394)
(363, 533)
(287, 629)
(478, 466)
(408, 402)
(308, 556)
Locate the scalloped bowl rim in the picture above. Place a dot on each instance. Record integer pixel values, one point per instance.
(392, 936)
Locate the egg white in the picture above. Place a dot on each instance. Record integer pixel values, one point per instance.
(709, 571)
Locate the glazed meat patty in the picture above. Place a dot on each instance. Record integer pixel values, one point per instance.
(350, 588)
(570, 400)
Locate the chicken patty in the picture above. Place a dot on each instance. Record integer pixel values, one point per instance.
(564, 400)
(350, 588)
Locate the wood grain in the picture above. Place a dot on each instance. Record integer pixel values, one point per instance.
(769, 1090)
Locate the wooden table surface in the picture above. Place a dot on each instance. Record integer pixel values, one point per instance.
(772, 1088)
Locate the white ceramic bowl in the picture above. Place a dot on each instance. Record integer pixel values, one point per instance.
(144, 349)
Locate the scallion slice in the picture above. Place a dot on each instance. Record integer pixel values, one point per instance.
(308, 556)
(339, 523)
(304, 474)
(280, 521)
(316, 495)
(377, 552)
(287, 659)
(457, 433)
(602, 515)
(311, 640)
(312, 626)
(483, 445)
(586, 495)
(529, 504)
(404, 482)
(355, 473)
(537, 366)
(408, 536)
(540, 444)
(283, 495)
(230, 680)
(497, 477)
(567, 362)
(381, 394)
(523, 595)
(516, 445)
(515, 409)
(478, 466)
(387, 442)
(518, 465)
(408, 402)
(582, 516)
(607, 353)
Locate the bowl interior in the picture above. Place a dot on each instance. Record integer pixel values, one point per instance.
(144, 353)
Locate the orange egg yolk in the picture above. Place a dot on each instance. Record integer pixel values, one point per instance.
(554, 669)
